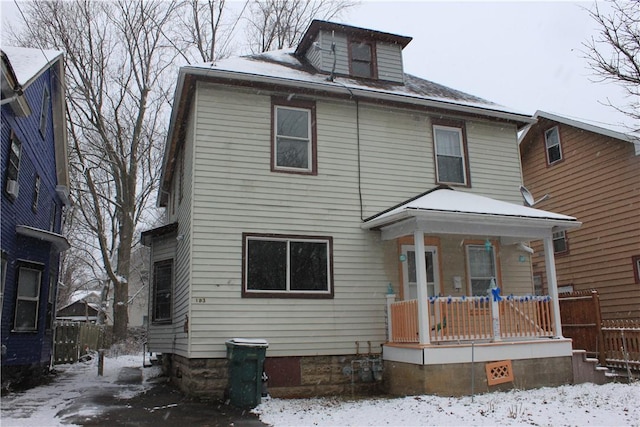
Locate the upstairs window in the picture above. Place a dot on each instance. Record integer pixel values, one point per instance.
(162, 290)
(294, 145)
(361, 55)
(450, 152)
(552, 143)
(13, 166)
(281, 266)
(560, 244)
(36, 194)
(27, 299)
(44, 112)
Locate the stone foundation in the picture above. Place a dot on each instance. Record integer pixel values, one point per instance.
(402, 379)
(289, 377)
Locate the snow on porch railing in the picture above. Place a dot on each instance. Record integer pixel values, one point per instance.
(473, 318)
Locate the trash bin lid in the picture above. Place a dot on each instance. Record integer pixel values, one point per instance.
(248, 342)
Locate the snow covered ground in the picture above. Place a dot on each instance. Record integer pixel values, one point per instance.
(585, 404)
(45, 405)
(579, 405)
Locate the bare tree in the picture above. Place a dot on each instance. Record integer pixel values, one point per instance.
(614, 53)
(117, 61)
(279, 24)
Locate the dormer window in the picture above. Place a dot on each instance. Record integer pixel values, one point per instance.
(361, 55)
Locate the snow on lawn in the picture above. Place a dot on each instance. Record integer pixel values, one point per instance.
(584, 404)
(41, 405)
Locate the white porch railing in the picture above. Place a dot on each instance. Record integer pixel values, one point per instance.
(474, 318)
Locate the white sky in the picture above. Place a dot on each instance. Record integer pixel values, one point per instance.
(524, 55)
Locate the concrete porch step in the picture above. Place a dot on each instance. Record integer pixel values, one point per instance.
(587, 370)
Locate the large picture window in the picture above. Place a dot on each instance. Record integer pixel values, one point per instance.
(162, 290)
(27, 299)
(287, 266)
(481, 263)
(293, 145)
(552, 143)
(451, 161)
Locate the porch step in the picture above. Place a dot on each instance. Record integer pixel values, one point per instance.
(587, 370)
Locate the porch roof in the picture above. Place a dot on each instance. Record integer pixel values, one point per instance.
(445, 210)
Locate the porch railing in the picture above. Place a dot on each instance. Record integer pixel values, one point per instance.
(473, 318)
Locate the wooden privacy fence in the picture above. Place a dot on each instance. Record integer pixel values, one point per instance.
(73, 338)
(622, 343)
(581, 321)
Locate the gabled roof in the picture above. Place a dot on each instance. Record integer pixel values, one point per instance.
(632, 137)
(28, 64)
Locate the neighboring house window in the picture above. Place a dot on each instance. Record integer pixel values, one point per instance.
(560, 243)
(36, 194)
(52, 217)
(362, 59)
(450, 151)
(13, 166)
(162, 290)
(552, 142)
(27, 299)
(636, 268)
(287, 266)
(44, 112)
(294, 137)
(481, 263)
(538, 287)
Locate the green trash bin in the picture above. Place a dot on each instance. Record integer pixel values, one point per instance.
(246, 361)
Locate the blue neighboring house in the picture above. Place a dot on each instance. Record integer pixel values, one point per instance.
(34, 192)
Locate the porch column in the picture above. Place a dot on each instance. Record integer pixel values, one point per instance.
(550, 264)
(421, 278)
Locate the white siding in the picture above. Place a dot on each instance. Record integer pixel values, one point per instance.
(234, 191)
(389, 59)
(171, 337)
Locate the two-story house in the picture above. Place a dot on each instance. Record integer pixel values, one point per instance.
(593, 173)
(300, 185)
(35, 189)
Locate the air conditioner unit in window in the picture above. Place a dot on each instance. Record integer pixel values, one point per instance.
(12, 187)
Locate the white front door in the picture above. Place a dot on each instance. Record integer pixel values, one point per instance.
(409, 271)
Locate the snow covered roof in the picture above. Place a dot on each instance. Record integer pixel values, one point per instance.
(29, 63)
(285, 68)
(451, 207)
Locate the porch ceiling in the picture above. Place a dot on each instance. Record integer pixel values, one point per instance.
(447, 211)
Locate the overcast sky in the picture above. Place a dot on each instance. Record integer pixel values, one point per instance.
(525, 55)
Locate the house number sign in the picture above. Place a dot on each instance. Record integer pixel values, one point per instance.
(201, 300)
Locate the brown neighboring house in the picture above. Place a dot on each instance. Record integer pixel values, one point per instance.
(594, 174)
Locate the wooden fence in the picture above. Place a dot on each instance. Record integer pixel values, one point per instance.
(622, 343)
(581, 321)
(72, 339)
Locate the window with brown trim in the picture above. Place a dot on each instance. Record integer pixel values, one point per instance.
(293, 145)
(636, 267)
(287, 266)
(450, 148)
(362, 61)
(552, 145)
